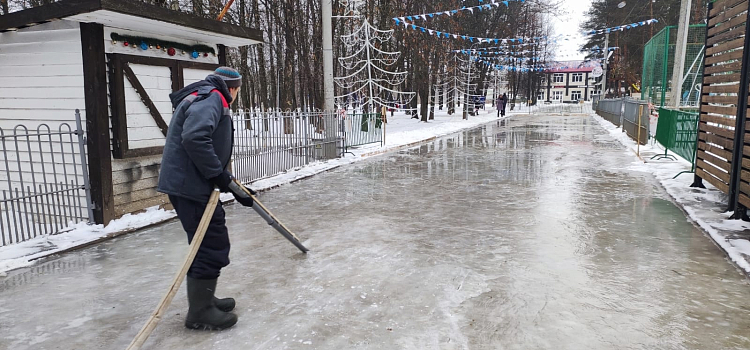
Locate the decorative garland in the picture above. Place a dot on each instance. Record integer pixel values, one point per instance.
(529, 68)
(453, 12)
(440, 34)
(518, 41)
(622, 27)
(169, 47)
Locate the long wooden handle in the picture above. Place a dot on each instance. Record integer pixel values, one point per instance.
(256, 201)
(200, 232)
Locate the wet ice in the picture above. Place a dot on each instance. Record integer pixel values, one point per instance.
(527, 233)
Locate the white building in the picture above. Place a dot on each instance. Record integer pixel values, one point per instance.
(569, 81)
(116, 61)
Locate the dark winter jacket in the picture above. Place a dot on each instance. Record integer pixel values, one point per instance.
(199, 140)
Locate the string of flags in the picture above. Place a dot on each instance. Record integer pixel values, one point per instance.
(512, 68)
(599, 49)
(487, 53)
(513, 41)
(471, 9)
(508, 46)
(623, 27)
(440, 34)
(553, 66)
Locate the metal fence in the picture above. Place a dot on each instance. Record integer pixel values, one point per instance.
(269, 143)
(677, 131)
(658, 61)
(595, 100)
(563, 108)
(611, 110)
(635, 115)
(43, 180)
(361, 129)
(628, 113)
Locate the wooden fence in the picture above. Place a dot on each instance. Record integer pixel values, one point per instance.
(722, 131)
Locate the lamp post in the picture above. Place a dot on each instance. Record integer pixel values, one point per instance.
(604, 65)
(278, 79)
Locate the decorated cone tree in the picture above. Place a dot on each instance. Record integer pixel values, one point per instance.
(368, 80)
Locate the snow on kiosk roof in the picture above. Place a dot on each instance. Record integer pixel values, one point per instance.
(138, 15)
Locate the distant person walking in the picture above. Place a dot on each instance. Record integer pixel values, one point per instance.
(501, 104)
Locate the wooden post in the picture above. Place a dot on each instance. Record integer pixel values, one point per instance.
(222, 55)
(739, 130)
(638, 142)
(97, 121)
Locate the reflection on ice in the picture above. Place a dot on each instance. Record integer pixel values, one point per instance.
(528, 233)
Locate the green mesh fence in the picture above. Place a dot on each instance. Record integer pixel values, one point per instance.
(677, 131)
(658, 62)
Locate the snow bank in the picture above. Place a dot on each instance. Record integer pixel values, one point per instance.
(401, 132)
(703, 206)
(24, 254)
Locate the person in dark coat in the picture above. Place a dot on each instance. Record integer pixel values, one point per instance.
(503, 101)
(196, 155)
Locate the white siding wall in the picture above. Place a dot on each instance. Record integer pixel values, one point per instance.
(41, 75)
(41, 82)
(193, 75)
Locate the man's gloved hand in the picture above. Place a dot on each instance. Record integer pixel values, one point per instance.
(240, 195)
(222, 181)
(251, 191)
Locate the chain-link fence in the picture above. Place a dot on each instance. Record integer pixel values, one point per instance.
(658, 62)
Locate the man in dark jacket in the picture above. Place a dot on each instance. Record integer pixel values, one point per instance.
(196, 155)
(503, 103)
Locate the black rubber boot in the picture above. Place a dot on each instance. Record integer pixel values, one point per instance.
(203, 313)
(224, 304)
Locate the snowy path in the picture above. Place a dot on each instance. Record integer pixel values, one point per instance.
(528, 233)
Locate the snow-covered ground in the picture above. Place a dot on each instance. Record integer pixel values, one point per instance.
(703, 206)
(401, 131)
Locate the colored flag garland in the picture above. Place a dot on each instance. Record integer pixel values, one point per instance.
(453, 12)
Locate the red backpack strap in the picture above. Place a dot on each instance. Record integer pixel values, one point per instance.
(223, 99)
(194, 96)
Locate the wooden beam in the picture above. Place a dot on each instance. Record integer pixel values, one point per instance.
(145, 98)
(222, 55)
(67, 8)
(97, 121)
(117, 107)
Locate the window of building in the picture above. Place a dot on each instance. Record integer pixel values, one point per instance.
(575, 95)
(557, 95)
(577, 77)
(540, 96)
(558, 78)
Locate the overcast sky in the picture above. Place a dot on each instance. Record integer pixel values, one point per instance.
(569, 25)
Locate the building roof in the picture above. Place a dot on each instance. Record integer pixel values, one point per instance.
(135, 15)
(572, 66)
